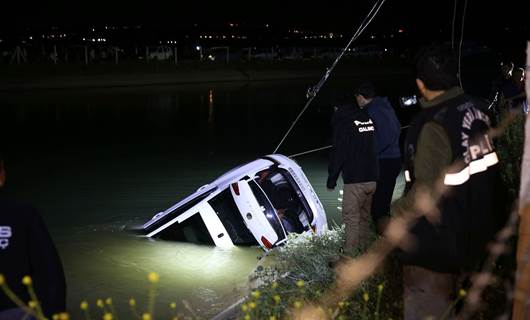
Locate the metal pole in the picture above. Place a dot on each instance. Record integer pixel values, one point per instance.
(86, 55)
(175, 50)
(146, 53)
(116, 54)
(249, 53)
(227, 54)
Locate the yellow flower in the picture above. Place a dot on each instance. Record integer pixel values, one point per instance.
(252, 305)
(341, 304)
(146, 316)
(272, 318)
(277, 299)
(244, 307)
(153, 277)
(32, 304)
(107, 316)
(247, 317)
(173, 305)
(366, 297)
(297, 304)
(256, 294)
(300, 283)
(100, 303)
(275, 285)
(108, 301)
(380, 287)
(83, 305)
(64, 316)
(462, 293)
(55, 317)
(26, 280)
(132, 302)
(2, 279)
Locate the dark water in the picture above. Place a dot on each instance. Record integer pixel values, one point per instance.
(95, 161)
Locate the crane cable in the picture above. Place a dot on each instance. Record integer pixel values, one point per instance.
(313, 91)
(460, 45)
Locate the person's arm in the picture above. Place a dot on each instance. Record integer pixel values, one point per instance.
(432, 158)
(338, 156)
(47, 270)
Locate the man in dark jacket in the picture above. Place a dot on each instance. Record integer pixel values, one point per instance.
(452, 183)
(354, 155)
(387, 130)
(26, 249)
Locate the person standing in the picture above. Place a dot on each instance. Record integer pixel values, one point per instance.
(354, 155)
(26, 249)
(387, 130)
(452, 185)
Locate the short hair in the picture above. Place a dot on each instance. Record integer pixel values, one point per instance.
(437, 67)
(366, 89)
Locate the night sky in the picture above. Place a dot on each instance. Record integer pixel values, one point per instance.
(483, 18)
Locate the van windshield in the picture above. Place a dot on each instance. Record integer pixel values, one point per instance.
(288, 201)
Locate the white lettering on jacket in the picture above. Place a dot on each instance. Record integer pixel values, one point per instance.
(364, 126)
(5, 234)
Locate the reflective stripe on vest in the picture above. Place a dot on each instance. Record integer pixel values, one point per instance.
(407, 176)
(475, 166)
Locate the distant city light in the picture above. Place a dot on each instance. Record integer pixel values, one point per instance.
(401, 30)
(93, 30)
(198, 48)
(30, 38)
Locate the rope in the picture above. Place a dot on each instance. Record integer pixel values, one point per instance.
(312, 92)
(460, 46)
(453, 27)
(323, 148)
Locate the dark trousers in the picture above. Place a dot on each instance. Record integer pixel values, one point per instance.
(388, 171)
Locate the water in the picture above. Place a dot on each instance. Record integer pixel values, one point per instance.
(96, 161)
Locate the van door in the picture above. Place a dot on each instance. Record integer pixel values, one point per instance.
(257, 212)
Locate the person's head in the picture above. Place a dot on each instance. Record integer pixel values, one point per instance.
(365, 93)
(436, 71)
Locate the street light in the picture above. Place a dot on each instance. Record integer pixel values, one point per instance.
(199, 48)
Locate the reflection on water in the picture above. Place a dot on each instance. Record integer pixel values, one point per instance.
(102, 264)
(96, 161)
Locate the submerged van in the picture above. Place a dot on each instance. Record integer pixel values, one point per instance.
(257, 203)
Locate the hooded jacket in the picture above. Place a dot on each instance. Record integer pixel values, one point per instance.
(387, 128)
(354, 151)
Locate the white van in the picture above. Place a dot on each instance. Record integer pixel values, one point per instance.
(256, 203)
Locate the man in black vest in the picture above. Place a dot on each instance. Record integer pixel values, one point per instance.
(26, 249)
(354, 154)
(452, 176)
